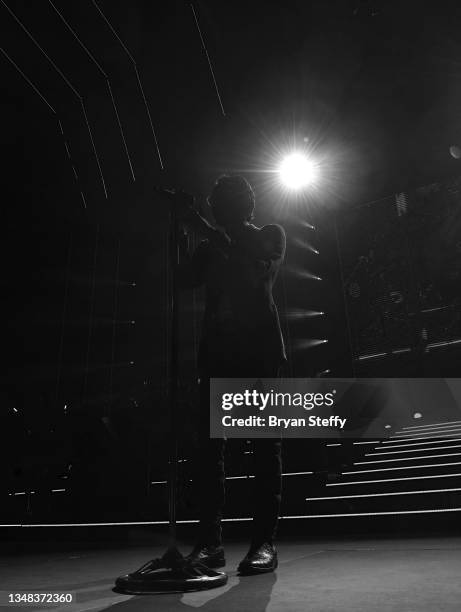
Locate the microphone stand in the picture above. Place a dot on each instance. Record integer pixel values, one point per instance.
(173, 379)
(172, 572)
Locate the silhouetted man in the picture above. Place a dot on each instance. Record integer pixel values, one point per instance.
(241, 337)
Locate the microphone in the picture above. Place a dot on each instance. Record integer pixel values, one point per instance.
(181, 199)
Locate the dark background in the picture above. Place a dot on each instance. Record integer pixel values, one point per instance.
(370, 89)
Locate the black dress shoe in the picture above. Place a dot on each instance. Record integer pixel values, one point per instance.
(260, 559)
(209, 555)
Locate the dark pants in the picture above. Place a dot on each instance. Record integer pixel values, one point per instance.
(266, 486)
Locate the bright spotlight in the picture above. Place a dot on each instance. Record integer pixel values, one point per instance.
(297, 171)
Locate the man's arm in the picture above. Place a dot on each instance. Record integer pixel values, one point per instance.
(191, 271)
(183, 204)
(216, 238)
(272, 247)
(273, 242)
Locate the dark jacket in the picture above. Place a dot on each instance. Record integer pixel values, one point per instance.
(241, 322)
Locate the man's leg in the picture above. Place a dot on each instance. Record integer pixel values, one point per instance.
(268, 489)
(267, 454)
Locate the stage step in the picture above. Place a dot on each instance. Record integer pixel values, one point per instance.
(417, 470)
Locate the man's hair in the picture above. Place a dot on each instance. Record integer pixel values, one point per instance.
(236, 192)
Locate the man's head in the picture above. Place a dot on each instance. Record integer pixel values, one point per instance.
(232, 200)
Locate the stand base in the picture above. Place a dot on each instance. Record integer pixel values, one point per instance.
(170, 574)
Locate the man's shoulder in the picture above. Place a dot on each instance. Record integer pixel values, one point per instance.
(270, 227)
(272, 241)
(273, 231)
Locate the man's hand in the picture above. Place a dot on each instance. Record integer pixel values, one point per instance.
(183, 205)
(181, 202)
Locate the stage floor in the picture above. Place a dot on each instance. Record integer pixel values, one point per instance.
(369, 575)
